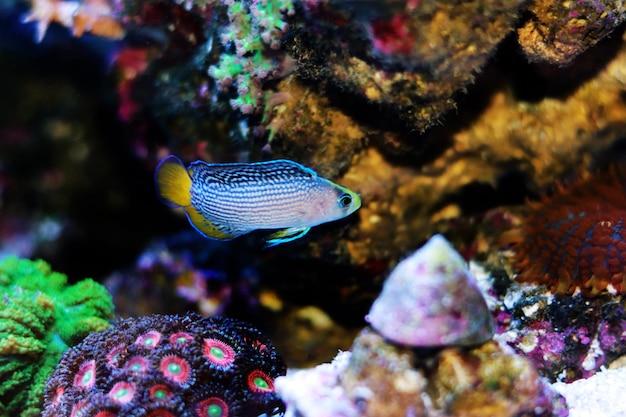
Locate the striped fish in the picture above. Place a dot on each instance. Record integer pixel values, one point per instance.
(224, 201)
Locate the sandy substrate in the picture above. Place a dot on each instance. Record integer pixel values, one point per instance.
(602, 395)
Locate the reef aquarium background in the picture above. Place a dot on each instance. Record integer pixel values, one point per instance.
(423, 211)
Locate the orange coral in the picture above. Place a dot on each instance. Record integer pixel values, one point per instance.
(93, 16)
(575, 238)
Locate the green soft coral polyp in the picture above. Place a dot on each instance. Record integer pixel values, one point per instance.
(41, 317)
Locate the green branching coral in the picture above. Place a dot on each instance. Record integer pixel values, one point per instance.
(41, 317)
(254, 30)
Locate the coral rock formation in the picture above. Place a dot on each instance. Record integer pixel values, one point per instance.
(484, 381)
(412, 60)
(431, 299)
(567, 337)
(420, 377)
(558, 32)
(378, 378)
(41, 316)
(168, 366)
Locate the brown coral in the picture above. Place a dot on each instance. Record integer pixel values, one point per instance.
(559, 31)
(383, 379)
(418, 58)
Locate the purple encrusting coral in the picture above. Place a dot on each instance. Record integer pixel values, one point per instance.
(168, 366)
(567, 337)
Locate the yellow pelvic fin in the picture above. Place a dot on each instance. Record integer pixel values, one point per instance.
(206, 227)
(173, 182)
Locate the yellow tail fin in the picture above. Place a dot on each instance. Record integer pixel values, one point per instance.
(173, 182)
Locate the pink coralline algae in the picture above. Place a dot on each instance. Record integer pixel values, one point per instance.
(168, 366)
(431, 299)
(566, 337)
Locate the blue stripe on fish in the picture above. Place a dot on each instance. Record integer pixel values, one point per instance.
(224, 201)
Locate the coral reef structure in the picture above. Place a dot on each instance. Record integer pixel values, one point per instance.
(251, 39)
(380, 377)
(575, 239)
(41, 316)
(383, 379)
(402, 60)
(499, 150)
(410, 60)
(168, 366)
(430, 299)
(566, 337)
(558, 32)
(376, 378)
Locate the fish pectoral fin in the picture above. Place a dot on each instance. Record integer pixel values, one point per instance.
(286, 235)
(206, 227)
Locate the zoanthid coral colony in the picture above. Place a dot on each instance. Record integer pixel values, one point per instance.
(168, 366)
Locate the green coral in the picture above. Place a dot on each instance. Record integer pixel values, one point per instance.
(255, 27)
(41, 317)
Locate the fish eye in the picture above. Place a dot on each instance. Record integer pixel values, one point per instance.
(345, 200)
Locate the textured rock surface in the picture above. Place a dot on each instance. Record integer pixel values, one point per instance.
(411, 61)
(567, 337)
(559, 31)
(377, 378)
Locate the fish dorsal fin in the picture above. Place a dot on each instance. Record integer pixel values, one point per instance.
(276, 171)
